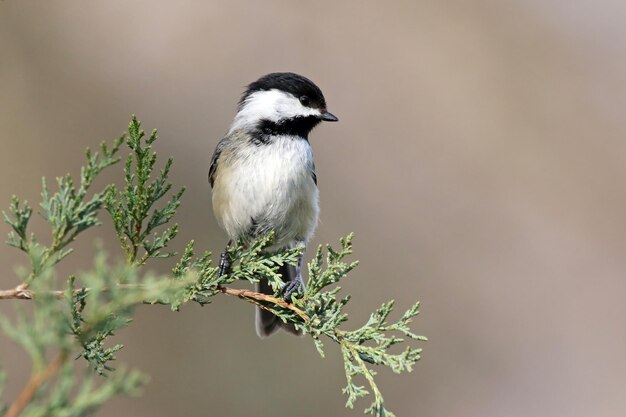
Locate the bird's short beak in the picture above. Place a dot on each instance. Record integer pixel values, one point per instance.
(328, 117)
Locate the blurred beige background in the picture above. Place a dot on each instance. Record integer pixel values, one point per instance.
(479, 158)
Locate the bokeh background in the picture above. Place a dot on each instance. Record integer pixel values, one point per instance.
(479, 158)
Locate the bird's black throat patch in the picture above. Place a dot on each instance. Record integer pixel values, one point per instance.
(297, 126)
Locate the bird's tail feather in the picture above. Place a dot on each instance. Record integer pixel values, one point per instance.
(267, 323)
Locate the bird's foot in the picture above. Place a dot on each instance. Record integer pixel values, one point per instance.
(290, 288)
(224, 267)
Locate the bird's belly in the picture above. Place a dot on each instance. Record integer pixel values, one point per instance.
(270, 189)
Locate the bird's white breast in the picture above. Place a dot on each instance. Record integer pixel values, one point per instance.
(270, 185)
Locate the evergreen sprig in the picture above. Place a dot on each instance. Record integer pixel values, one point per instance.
(131, 207)
(107, 302)
(48, 331)
(18, 220)
(67, 211)
(324, 314)
(90, 392)
(80, 320)
(320, 312)
(251, 263)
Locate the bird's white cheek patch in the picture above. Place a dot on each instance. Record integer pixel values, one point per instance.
(273, 105)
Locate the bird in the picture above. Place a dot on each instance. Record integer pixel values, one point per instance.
(263, 179)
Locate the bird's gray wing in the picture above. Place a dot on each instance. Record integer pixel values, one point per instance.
(313, 174)
(214, 160)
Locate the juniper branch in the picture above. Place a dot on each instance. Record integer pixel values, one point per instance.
(86, 316)
(131, 207)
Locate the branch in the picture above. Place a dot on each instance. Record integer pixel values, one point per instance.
(21, 292)
(31, 387)
(137, 211)
(255, 297)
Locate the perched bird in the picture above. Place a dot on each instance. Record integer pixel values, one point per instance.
(263, 175)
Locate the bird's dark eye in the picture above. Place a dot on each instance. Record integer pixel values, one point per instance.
(305, 100)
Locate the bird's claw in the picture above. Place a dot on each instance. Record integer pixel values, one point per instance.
(224, 267)
(290, 288)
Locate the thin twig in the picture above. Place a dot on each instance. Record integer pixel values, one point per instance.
(23, 293)
(35, 381)
(246, 294)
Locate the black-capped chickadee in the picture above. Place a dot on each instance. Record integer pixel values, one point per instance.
(263, 175)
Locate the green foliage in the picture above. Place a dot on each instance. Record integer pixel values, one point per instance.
(67, 211)
(254, 263)
(250, 263)
(107, 302)
(80, 320)
(130, 207)
(45, 333)
(91, 393)
(19, 223)
(324, 311)
(357, 353)
(52, 328)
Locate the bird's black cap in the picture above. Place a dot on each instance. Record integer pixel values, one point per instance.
(289, 82)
